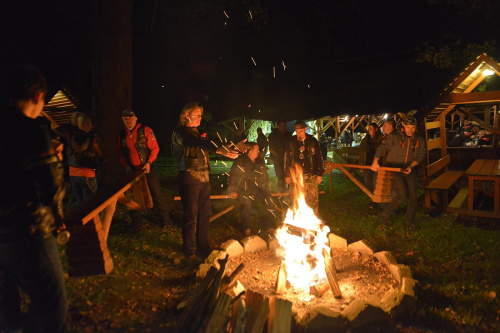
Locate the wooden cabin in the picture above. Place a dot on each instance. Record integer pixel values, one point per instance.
(475, 95)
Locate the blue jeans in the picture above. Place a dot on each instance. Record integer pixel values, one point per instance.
(81, 189)
(33, 262)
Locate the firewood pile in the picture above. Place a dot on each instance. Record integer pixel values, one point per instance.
(217, 305)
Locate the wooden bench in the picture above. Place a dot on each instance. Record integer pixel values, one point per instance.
(437, 189)
(87, 251)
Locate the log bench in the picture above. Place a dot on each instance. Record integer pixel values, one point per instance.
(436, 191)
(88, 223)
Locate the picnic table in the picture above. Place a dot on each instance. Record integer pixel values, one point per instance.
(484, 170)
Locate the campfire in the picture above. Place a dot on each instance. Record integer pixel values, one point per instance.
(285, 283)
(304, 246)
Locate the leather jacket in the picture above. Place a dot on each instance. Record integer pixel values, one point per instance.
(192, 154)
(307, 153)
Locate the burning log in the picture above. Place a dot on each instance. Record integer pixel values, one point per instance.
(319, 289)
(281, 280)
(330, 274)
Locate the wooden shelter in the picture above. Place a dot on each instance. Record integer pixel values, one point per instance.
(61, 106)
(474, 94)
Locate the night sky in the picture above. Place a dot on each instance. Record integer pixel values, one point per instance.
(329, 57)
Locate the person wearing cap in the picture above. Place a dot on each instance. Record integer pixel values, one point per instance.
(192, 149)
(404, 150)
(304, 150)
(278, 139)
(138, 150)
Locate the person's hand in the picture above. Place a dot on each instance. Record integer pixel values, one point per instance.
(319, 179)
(58, 147)
(228, 152)
(407, 170)
(233, 195)
(375, 166)
(287, 180)
(146, 167)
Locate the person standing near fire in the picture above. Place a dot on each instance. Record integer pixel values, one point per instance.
(192, 150)
(263, 143)
(369, 146)
(404, 150)
(249, 184)
(30, 210)
(303, 149)
(278, 140)
(138, 150)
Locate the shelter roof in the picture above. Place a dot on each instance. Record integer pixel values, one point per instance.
(478, 83)
(61, 106)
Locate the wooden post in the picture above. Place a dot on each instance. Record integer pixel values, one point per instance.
(238, 316)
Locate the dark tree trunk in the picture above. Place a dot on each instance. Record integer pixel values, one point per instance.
(111, 77)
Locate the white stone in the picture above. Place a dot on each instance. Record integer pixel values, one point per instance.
(391, 299)
(213, 258)
(407, 286)
(385, 257)
(362, 315)
(233, 248)
(362, 247)
(202, 271)
(253, 244)
(273, 244)
(337, 242)
(399, 271)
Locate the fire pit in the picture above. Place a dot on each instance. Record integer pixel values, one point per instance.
(306, 273)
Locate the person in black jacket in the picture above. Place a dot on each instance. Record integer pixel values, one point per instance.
(193, 148)
(403, 150)
(304, 150)
(32, 179)
(249, 184)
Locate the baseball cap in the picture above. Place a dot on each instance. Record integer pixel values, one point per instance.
(300, 124)
(410, 121)
(128, 113)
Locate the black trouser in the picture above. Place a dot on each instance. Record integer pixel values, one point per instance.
(403, 186)
(195, 199)
(370, 178)
(159, 199)
(279, 169)
(259, 207)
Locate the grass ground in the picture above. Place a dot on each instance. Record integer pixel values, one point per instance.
(455, 261)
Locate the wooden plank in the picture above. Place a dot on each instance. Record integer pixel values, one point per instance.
(331, 274)
(446, 180)
(220, 316)
(219, 214)
(257, 310)
(101, 199)
(475, 167)
(438, 165)
(280, 316)
(433, 144)
(459, 199)
(432, 124)
(496, 171)
(476, 97)
(280, 280)
(487, 168)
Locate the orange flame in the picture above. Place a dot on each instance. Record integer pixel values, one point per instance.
(303, 237)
